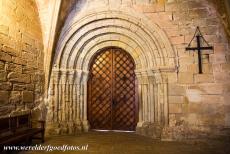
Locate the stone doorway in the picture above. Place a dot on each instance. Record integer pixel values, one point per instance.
(149, 48)
(112, 101)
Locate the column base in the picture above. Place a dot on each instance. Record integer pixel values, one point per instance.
(85, 125)
(153, 130)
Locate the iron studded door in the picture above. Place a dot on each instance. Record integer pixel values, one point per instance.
(112, 103)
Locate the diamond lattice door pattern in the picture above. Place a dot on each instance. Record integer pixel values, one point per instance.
(112, 102)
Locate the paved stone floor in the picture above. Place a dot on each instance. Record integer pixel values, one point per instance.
(130, 143)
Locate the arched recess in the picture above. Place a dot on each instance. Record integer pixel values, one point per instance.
(84, 36)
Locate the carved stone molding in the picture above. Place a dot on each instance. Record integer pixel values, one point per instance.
(85, 37)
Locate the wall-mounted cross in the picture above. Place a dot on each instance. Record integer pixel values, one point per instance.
(199, 48)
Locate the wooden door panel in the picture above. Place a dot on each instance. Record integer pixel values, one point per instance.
(100, 92)
(111, 91)
(123, 117)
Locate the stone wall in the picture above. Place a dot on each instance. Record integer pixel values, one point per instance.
(198, 103)
(175, 102)
(21, 56)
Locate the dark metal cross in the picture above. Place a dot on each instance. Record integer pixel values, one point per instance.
(199, 48)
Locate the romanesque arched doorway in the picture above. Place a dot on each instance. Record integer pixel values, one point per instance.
(112, 101)
(82, 39)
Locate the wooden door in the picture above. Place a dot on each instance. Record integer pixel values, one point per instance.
(112, 103)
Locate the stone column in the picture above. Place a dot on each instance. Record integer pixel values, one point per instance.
(140, 104)
(77, 103)
(146, 101)
(70, 121)
(84, 101)
(162, 97)
(62, 104)
(52, 125)
(56, 95)
(153, 103)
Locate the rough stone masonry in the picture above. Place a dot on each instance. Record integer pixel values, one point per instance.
(21, 57)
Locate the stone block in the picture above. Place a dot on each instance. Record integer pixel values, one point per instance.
(5, 57)
(212, 21)
(171, 6)
(193, 95)
(216, 68)
(183, 69)
(193, 68)
(177, 99)
(175, 108)
(27, 96)
(11, 67)
(5, 86)
(176, 90)
(212, 110)
(3, 76)
(199, 13)
(217, 58)
(32, 64)
(160, 7)
(212, 99)
(193, 119)
(4, 97)
(27, 48)
(15, 97)
(172, 32)
(220, 48)
(4, 30)
(204, 78)
(28, 70)
(225, 67)
(30, 87)
(172, 77)
(221, 77)
(28, 55)
(39, 78)
(38, 88)
(194, 108)
(19, 87)
(149, 9)
(18, 77)
(11, 51)
(185, 78)
(177, 40)
(207, 68)
(186, 60)
(28, 39)
(2, 66)
(211, 88)
(18, 60)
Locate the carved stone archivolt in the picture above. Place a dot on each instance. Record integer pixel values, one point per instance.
(87, 33)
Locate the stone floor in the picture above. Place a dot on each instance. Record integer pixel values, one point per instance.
(130, 143)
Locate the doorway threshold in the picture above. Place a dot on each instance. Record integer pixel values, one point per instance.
(119, 131)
